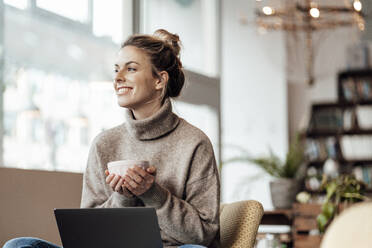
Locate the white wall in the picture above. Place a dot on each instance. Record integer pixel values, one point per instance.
(330, 58)
(254, 107)
(195, 23)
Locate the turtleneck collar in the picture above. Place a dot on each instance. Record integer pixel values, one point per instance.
(159, 124)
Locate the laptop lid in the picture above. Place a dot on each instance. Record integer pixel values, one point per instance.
(108, 227)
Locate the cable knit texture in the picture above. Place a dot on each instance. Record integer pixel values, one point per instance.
(186, 192)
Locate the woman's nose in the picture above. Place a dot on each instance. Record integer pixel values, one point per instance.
(118, 80)
(119, 77)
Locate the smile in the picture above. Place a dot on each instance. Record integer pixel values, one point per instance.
(123, 90)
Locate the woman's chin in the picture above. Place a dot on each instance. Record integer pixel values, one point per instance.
(124, 103)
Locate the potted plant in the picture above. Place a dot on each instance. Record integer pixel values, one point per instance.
(341, 192)
(287, 173)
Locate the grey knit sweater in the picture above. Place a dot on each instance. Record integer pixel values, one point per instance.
(186, 193)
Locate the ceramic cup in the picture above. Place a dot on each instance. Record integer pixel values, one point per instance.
(120, 167)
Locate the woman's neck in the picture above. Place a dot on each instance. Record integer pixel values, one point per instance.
(146, 110)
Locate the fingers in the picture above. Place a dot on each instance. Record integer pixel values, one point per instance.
(128, 186)
(140, 172)
(119, 184)
(137, 174)
(125, 191)
(109, 178)
(114, 182)
(135, 182)
(130, 181)
(138, 181)
(151, 170)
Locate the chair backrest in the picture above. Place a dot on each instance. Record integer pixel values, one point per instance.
(352, 228)
(28, 198)
(239, 223)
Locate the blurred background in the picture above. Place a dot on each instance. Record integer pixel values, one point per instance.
(251, 84)
(259, 73)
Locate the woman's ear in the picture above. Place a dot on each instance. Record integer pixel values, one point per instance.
(163, 80)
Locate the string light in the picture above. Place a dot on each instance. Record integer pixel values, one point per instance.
(304, 16)
(314, 12)
(357, 5)
(267, 10)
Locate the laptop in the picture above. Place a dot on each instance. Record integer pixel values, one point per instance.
(135, 227)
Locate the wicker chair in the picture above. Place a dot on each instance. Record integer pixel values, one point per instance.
(239, 223)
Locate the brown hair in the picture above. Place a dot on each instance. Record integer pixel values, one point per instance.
(163, 49)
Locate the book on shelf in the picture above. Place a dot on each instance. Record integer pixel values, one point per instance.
(364, 89)
(327, 119)
(364, 174)
(336, 119)
(348, 121)
(357, 89)
(348, 90)
(356, 147)
(364, 116)
(321, 149)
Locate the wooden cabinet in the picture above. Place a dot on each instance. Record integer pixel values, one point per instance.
(304, 226)
(302, 219)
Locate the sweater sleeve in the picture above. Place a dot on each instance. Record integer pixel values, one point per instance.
(194, 219)
(96, 193)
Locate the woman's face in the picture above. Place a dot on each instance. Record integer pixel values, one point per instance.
(134, 83)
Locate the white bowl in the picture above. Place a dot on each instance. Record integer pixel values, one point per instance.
(120, 167)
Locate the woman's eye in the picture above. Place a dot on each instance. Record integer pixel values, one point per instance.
(116, 70)
(131, 69)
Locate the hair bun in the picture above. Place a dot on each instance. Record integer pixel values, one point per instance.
(171, 39)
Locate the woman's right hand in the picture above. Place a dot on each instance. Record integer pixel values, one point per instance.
(116, 183)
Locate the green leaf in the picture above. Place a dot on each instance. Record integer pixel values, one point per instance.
(331, 189)
(328, 209)
(322, 221)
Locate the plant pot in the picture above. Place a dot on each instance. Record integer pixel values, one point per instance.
(283, 192)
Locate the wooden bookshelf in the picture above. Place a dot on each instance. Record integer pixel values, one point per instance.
(341, 104)
(343, 162)
(328, 133)
(336, 127)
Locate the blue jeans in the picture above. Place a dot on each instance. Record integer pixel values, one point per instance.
(39, 243)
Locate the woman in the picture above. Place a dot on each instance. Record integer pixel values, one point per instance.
(183, 182)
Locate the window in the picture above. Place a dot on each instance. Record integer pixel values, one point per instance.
(75, 10)
(58, 86)
(20, 4)
(108, 19)
(51, 119)
(58, 81)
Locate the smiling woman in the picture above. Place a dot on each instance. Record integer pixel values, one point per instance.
(135, 85)
(155, 66)
(183, 178)
(182, 181)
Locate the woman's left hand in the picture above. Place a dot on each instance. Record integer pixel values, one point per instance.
(138, 180)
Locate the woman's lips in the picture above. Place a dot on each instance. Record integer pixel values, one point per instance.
(123, 90)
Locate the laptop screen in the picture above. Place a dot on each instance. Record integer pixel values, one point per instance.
(108, 227)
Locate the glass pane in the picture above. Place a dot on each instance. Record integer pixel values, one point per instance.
(56, 99)
(21, 4)
(107, 19)
(52, 119)
(75, 10)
